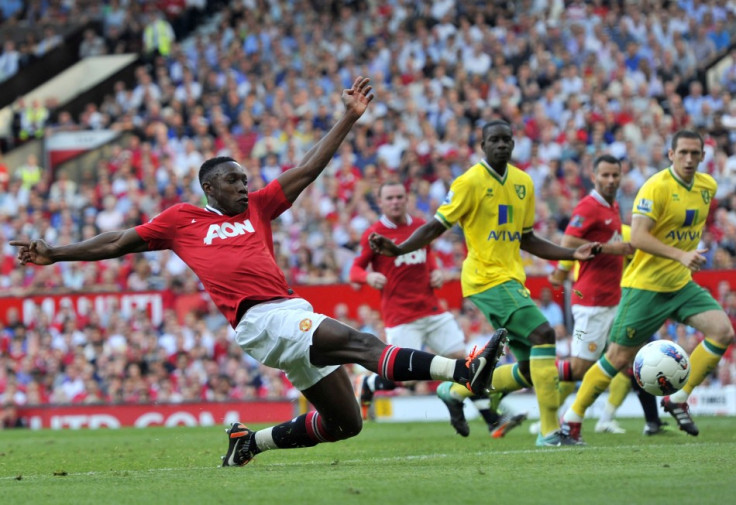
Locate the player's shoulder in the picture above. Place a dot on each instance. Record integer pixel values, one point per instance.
(705, 180)
(518, 174)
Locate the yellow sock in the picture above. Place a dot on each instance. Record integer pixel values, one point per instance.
(460, 392)
(703, 360)
(507, 378)
(566, 388)
(596, 380)
(545, 378)
(618, 389)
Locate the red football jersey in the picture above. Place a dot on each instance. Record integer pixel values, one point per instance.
(599, 280)
(232, 255)
(407, 295)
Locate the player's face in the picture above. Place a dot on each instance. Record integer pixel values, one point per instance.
(498, 144)
(227, 189)
(686, 157)
(607, 179)
(393, 201)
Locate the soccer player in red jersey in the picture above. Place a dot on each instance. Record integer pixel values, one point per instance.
(411, 311)
(597, 292)
(229, 245)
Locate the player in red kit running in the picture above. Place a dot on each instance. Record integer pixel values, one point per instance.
(410, 309)
(229, 246)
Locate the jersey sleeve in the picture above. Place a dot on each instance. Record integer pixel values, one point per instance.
(458, 202)
(271, 200)
(531, 204)
(159, 232)
(646, 202)
(358, 272)
(580, 222)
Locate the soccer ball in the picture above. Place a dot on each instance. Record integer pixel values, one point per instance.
(661, 367)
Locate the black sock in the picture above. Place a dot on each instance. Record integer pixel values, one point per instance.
(648, 403)
(306, 430)
(482, 403)
(381, 384)
(399, 364)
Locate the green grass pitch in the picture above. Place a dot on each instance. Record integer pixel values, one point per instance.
(411, 463)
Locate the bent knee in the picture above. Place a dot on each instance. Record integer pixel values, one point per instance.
(346, 428)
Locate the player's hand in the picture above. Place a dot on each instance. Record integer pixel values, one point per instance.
(587, 251)
(382, 245)
(558, 277)
(436, 279)
(357, 98)
(375, 280)
(33, 251)
(694, 260)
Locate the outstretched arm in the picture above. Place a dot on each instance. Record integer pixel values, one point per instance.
(421, 237)
(356, 100)
(543, 248)
(105, 245)
(617, 248)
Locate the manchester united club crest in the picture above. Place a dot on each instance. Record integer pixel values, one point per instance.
(305, 324)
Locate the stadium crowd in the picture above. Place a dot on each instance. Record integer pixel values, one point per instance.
(261, 84)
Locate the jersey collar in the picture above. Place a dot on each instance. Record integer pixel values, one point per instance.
(680, 181)
(390, 224)
(598, 198)
(500, 178)
(212, 209)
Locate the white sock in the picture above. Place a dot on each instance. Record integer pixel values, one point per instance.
(608, 412)
(571, 417)
(264, 439)
(680, 397)
(442, 369)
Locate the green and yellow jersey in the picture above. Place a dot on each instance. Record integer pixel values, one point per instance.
(493, 211)
(679, 212)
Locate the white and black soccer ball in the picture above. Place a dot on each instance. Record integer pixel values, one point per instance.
(661, 367)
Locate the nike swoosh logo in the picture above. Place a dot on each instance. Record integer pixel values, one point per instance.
(411, 357)
(194, 220)
(608, 221)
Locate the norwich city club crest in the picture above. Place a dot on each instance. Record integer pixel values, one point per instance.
(706, 195)
(520, 191)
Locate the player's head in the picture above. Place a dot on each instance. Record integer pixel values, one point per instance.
(392, 200)
(497, 143)
(225, 184)
(607, 176)
(686, 153)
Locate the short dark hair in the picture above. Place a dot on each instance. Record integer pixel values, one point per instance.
(605, 158)
(495, 122)
(388, 183)
(686, 134)
(209, 165)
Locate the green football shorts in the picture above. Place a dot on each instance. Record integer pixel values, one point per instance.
(641, 312)
(509, 306)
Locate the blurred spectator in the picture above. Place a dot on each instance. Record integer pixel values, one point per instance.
(91, 45)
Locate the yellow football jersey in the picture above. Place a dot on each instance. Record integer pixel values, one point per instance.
(679, 212)
(493, 211)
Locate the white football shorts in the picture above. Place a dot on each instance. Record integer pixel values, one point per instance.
(278, 334)
(591, 329)
(439, 332)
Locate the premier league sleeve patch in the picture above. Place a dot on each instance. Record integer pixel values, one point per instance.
(644, 205)
(448, 198)
(577, 221)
